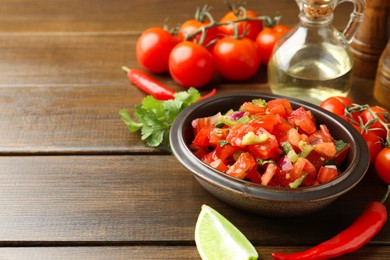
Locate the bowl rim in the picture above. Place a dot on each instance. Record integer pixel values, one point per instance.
(351, 176)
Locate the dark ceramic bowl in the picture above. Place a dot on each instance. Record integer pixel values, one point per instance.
(260, 199)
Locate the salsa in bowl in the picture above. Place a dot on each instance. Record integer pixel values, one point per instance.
(302, 195)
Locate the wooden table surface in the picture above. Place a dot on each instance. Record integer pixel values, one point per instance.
(75, 184)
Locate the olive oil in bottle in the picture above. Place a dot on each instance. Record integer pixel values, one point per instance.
(313, 61)
(318, 72)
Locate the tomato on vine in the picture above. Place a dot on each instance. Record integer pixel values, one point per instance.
(382, 164)
(337, 105)
(249, 28)
(368, 118)
(191, 64)
(191, 26)
(267, 39)
(153, 48)
(236, 59)
(191, 29)
(373, 142)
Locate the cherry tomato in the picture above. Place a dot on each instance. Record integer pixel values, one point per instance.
(382, 164)
(376, 127)
(190, 26)
(373, 141)
(250, 28)
(237, 59)
(267, 38)
(191, 64)
(153, 48)
(337, 105)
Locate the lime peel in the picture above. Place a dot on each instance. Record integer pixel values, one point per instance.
(217, 238)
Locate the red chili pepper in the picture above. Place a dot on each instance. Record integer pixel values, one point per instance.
(210, 94)
(149, 85)
(349, 240)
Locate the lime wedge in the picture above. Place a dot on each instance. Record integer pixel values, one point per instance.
(217, 238)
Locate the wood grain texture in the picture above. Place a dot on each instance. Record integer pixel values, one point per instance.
(85, 119)
(153, 252)
(75, 184)
(49, 200)
(129, 16)
(68, 102)
(117, 15)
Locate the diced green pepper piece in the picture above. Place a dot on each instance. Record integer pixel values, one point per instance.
(226, 121)
(260, 102)
(289, 151)
(243, 120)
(293, 156)
(305, 149)
(252, 138)
(295, 184)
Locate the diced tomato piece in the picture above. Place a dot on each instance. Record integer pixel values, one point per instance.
(202, 137)
(327, 149)
(303, 119)
(198, 151)
(252, 108)
(327, 173)
(242, 166)
(209, 157)
(320, 136)
(225, 152)
(294, 137)
(281, 107)
(297, 169)
(200, 123)
(266, 150)
(236, 134)
(267, 122)
(327, 137)
(316, 159)
(254, 176)
(342, 154)
(280, 179)
(219, 165)
(269, 173)
(217, 135)
(281, 130)
(311, 173)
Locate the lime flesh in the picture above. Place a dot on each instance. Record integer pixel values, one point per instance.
(217, 238)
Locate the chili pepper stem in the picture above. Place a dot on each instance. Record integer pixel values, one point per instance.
(383, 200)
(126, 69)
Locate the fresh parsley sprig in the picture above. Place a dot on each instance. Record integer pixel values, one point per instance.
(153, 118)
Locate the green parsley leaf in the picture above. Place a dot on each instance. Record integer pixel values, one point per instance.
(131, 124)
(340, 145)
(155, 117)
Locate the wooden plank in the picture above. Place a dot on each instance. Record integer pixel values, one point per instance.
(53, 200)
(66, 120)
(48, 60)
(83, 119)
(68, 102)
(119, 15)
(129, 16)
(156, 252)
(52, 60)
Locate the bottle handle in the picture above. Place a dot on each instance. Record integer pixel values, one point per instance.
(355, 19)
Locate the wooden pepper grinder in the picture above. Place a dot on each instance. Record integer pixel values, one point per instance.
(371, 38)
(382, 80)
